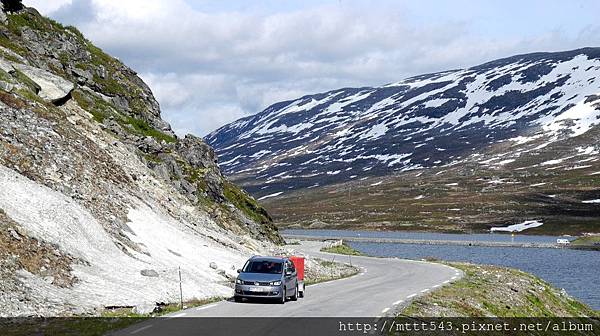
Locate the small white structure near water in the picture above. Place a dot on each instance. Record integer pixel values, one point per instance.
(562, 241)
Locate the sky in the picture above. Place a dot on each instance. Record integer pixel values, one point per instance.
(212, 62)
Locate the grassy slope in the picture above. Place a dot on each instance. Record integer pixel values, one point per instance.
(587, 241)
(491, 291)
(342, 249)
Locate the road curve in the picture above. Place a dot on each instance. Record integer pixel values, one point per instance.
(382, 286)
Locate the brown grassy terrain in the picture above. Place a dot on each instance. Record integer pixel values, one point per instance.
(17, 251)
(467, 197)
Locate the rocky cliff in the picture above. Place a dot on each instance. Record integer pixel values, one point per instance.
(100, 201)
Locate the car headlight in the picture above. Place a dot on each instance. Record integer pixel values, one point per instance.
(275, 283)
(239, 281)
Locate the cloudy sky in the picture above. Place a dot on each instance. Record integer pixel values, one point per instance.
(212, 62)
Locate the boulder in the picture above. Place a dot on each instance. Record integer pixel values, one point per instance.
(53, 88)
(145, 308)
(213, 265)
(6, 66)
(14, 234)
(149, 273)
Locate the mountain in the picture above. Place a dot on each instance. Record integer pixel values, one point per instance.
(503, 124)
(100, 202)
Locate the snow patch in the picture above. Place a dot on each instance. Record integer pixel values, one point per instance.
(270, 195)
(518, 227)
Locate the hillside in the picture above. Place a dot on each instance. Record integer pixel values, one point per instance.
(501, 143)
(100, 202)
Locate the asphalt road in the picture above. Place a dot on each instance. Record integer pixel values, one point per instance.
(382, 287)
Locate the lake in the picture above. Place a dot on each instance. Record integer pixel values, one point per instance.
(577, 271)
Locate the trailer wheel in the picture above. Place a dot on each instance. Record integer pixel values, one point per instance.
(301, 294)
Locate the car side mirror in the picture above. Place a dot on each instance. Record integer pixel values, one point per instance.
(239, 271)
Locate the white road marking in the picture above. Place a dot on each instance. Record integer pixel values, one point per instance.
(398, 302)
(436, 286)
(176, 315)
(447, 281)
(425, 290)
(411, 296)
(206, 307)
(141, 329)
(385, 310)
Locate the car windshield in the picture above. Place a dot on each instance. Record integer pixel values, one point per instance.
(263, 266)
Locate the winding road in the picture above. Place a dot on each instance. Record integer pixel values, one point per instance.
(382, 286)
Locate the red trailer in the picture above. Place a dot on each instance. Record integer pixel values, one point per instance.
(299, 264)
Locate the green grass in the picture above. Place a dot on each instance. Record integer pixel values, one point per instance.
(23, 79)
(243, 201)
(6, 42)
(142, 127)
(586, 241)
(6, 77)
(108, 321)
(101, 109)
(25, 19)
(342, 249)
(496, 291)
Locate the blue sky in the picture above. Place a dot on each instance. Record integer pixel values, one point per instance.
(212, 62)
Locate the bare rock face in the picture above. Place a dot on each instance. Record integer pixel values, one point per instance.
(53, 88)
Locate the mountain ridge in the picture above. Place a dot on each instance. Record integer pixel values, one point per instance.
(501, 117)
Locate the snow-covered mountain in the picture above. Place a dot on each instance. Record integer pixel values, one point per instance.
(421, 122)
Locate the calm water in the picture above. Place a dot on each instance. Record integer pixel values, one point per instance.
(578, 272)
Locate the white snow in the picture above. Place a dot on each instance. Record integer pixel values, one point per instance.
(518, 227)
(538, 184)
(552, 162)
(113, 277)
(270, 195)
(376, 131)
(583, 116)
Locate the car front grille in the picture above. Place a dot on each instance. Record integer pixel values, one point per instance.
(256, 283)
(258, 293)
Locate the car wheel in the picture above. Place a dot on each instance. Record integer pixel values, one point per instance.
(237, 299)
(295, 296)
(282, 298)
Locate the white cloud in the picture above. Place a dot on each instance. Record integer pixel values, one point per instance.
(209, 68)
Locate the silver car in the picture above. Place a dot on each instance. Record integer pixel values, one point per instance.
(267, 277)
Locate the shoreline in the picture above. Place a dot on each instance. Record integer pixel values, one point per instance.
(438, 242)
